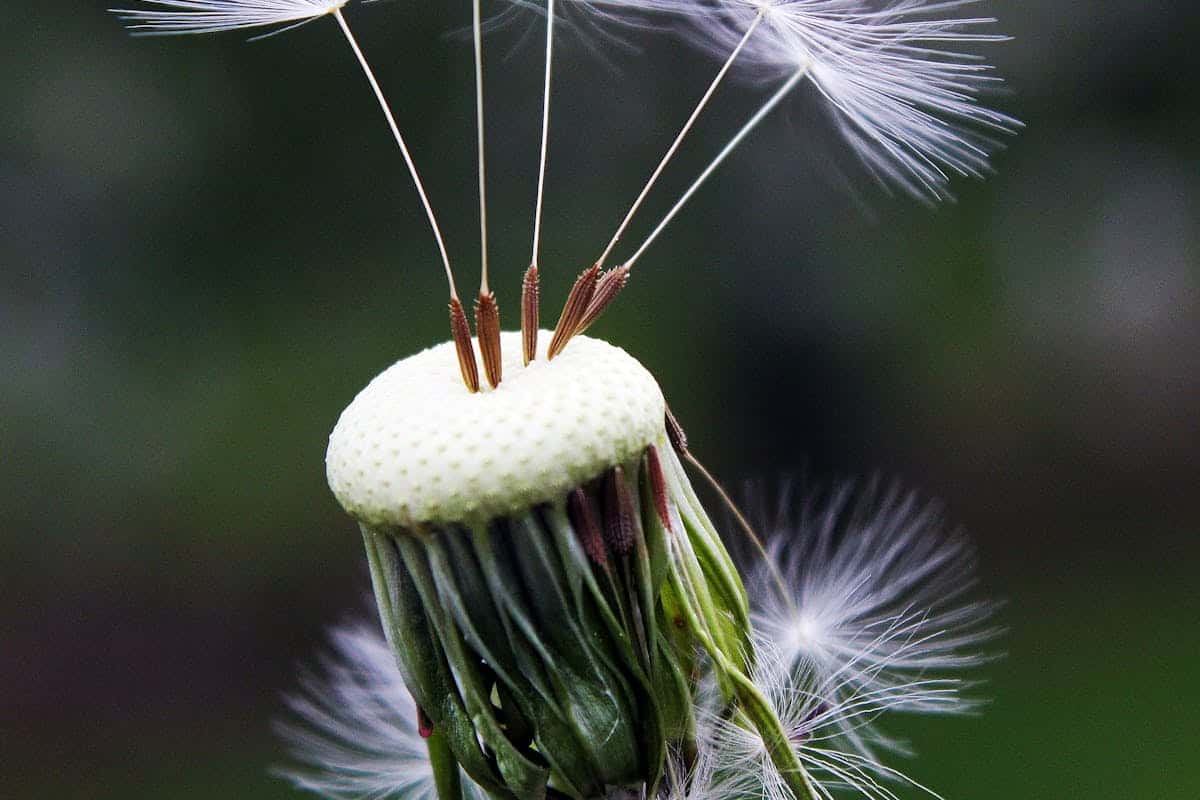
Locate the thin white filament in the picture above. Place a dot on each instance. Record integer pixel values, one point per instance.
(408, 160)
(687, 127)
(541, 186)
(213, 16)
(477, 29)
(750, 125)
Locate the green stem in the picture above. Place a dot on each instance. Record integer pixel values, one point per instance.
(775, 739)
(749, 699)
(446, 777)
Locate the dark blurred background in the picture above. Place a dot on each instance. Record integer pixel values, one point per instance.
(208, 246)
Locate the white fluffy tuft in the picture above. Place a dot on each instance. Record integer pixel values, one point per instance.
(734, 761)
(878, 604)
(213, 16)
(902, 91)
(354, 731)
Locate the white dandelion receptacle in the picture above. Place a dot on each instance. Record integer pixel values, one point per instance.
(415, 448)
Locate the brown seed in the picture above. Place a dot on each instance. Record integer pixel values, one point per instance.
(487, 326)
(620, 514)
(675, 433)
(530, 291)
(574, 309)
(579, 508)
(608, 287)
(460, 329)
(658, 486)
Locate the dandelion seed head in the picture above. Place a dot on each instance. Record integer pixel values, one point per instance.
(461, 489)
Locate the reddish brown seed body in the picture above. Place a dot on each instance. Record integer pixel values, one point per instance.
(658, 487)
(676, 434)
(620, 514)
(576, 306)
(460, 329)
(487, 326)
(579, 508)
(530, 292)
(608, 287)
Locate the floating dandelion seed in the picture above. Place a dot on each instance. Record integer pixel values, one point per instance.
(561, 618)
(901, 90)
(215, 16)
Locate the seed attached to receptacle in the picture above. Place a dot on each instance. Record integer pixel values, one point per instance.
(530, 293)
(620, 513)
(487, 326)
(658, 486)
(579, 507)
(676, 433)
(608, 286)
(460, 330)
(574, 309)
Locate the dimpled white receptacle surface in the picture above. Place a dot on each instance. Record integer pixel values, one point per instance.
(416, 447)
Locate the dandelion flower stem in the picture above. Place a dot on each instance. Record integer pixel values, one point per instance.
(541, 185)
(750, 125)
(477, 29)
(412, 167)
(737, 684)
(687, 127)
(446, 776)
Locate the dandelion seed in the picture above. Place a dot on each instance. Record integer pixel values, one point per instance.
(901, 88)
(880, 597)
(907, 102)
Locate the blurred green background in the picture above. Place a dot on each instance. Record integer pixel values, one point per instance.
(208, 246)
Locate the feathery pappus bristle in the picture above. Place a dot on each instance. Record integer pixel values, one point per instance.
(902, 91)
(213, 16)
(880, 597)
(732, 762)
(354, 732)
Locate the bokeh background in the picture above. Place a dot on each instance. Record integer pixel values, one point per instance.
(208, 246)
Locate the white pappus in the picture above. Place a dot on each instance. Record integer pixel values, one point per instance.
(871, 596)
(733, 763)
(214, 16)
(898, 76)
(355, 732)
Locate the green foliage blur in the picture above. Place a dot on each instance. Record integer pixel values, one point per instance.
(208, 246)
